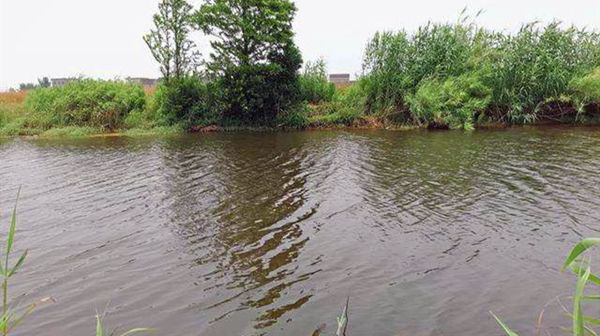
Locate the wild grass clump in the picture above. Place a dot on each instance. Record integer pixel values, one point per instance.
(345, 108)
(187, 101)
(582, 324)
(585, 91)
(451, 103)
(535, 66)
(314, 85)
(452, 74)
(13, 97)
(11, 108)
(89, 103)
(12, 316)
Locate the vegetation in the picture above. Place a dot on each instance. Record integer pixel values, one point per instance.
(582, 324)
(456, 75)
(169, 41)
(314, 85)
(187, 101)
(102, 104)
(254, 60)
(445, 75)
(86, 104)
(12, 317)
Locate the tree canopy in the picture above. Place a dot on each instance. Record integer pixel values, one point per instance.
(253, 54)
(169, 41)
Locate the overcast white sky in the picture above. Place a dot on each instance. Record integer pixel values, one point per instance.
(103, 38)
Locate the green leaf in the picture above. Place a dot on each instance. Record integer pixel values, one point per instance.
(579, 270)
(591, 320)
(578, 320)
(137, 330)
(19, 263)
(591, 331)
(504, 327)
(579, 249)
(98, 325)
(11, 232)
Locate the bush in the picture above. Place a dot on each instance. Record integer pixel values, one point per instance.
(454, 102)
(346, 107)
(586, 90)
(536, 65)
(527, 73)
(295, 118)
(314, 85)
(396, 63)
(188, 101)
(101, 104)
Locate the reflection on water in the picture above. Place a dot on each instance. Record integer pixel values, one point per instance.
(267, 234)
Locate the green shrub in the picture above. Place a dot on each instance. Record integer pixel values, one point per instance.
(93, 103)
(345, 107)
(586, 90)
(536, 65)
(314, 86)
(188, 101)
(454, 102)
(526, 72)
(295, 118)
(396, 63)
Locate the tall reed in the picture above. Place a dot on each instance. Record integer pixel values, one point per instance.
(582, 324)
(12, 317)
(517, 77)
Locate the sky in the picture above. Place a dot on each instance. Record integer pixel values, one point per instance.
(103, 38)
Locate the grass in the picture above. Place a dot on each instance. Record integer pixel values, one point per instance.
(581, 324)
(17, 118)
(13, 317)
(444, 75)
(453, 74)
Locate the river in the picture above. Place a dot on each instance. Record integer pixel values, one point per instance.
(269, 233)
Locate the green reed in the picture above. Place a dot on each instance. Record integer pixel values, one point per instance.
(457, 74)
(12, 318)
(582, 324)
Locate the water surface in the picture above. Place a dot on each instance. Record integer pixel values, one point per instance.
(268, 233)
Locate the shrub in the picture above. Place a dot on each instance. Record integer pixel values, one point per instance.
(188, 101)
(454, 102)
(346, 106)
(396, 63)
(314, 85)
(536, 65)
(102, 104)
(586, 90)
(527, 73)
(296, 117)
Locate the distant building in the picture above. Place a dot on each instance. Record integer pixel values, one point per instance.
(62, 81)
(148, 82)
(339, 79)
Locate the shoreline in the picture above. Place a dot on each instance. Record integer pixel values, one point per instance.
(84, 132)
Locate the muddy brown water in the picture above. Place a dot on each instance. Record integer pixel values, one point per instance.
(268, 233)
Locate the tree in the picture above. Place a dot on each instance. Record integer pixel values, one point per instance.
(254, 54)
(26, 86)
(44, 82)
(169, 40)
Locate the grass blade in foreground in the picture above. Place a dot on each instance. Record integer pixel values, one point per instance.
(99, 329)
(579, 249)
(504, 327)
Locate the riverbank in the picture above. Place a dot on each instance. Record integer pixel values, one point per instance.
(15, 123)
(90, 132)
